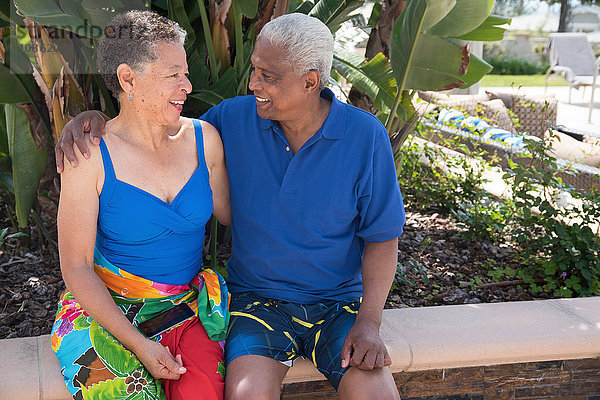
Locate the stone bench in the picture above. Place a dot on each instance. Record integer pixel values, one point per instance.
(424, 343)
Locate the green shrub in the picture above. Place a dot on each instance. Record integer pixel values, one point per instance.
(504, 65)
(556, 246)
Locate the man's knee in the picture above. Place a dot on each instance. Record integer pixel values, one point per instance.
(250, 391)
(254, 378)
(374, 384)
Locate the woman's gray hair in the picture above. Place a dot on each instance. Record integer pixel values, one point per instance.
(307, 43)
(131, 38)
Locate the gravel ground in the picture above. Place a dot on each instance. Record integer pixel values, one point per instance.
(436, 266)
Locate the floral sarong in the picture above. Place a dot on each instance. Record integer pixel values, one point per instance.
(95, 365)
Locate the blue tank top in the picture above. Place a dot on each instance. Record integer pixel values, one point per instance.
(148, 237)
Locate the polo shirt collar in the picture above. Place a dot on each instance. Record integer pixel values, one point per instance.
(334, 126)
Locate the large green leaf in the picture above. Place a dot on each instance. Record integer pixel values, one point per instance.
(223, 89)
(50, 13)
(334, 12)
(464, 17)
(477, 69)
(304, 7)
(423, 61)
(87, 18)
(3, 135)
(177, 12)
(16, 82)
(436, 11)
(437, 63)
(373, 77)
(248, 8)
(6, 181)
(489, 30)
(28, 162)
(5, 11)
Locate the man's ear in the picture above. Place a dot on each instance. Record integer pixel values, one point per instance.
(312, 81)
(126, 77)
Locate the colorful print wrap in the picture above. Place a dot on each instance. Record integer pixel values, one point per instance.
(95, 365)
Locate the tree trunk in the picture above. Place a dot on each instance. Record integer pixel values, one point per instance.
(379, 40)
(565, 11)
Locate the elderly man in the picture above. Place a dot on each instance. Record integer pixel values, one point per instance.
(316, 213)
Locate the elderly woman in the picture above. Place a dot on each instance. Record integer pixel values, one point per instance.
(139, 307)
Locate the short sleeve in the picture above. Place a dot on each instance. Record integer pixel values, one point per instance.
(380, 203)
(213, 116)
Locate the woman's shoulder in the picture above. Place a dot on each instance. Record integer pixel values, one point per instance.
(88, 172)
(90, 163)
(206, 127)
(208, 132)
(211, 140)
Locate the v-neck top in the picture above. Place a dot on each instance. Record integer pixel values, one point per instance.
(146, 236)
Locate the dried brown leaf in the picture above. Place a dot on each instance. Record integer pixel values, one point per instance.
(2, 49)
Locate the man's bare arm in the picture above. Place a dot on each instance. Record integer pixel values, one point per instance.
(88, 122)
(363, 347)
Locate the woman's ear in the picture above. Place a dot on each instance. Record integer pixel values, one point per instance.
(126, 77)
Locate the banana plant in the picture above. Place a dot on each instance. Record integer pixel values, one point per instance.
(428, 51)
(28, 161)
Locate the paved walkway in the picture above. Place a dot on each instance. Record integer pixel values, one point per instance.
(574, 115)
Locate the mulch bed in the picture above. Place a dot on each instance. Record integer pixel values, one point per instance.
(438, 266)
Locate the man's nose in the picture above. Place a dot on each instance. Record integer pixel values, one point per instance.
(253, 83)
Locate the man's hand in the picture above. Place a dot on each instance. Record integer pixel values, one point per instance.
(88, 122)
(159, 361)
(364, 348)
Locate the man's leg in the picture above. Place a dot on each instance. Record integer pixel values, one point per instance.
(374, 384)
(325, 346)
(261, 345)
(254, 378)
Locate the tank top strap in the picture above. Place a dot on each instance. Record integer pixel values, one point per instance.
(200, 147)
(110, 177)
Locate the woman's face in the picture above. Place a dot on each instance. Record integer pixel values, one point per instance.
(161, 88)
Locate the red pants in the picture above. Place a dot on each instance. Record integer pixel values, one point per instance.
(203, 359)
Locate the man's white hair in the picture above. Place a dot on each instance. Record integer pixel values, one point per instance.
(307, 43)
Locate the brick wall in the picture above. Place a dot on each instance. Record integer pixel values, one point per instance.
(551, 380)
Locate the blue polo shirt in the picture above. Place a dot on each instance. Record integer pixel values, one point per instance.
(300, 222)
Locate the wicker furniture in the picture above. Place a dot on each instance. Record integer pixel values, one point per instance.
(526, 115)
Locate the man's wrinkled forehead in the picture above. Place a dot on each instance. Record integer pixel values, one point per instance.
(269, 58)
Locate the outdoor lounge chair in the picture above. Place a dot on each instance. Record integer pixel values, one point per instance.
(571, 57)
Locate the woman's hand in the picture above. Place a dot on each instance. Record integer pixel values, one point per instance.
(158, 360)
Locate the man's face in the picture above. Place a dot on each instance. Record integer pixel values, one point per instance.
(280, 93)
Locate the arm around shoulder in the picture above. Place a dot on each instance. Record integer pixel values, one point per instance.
(215, 162)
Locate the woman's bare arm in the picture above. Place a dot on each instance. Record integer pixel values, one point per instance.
(215, 161)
